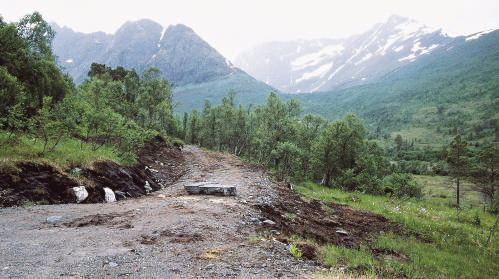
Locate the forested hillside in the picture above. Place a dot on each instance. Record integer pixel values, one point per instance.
(455, 89)
(413, 114)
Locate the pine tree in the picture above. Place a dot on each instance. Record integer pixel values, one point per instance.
(458, 161)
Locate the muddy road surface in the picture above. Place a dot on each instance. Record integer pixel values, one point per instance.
(165, 234)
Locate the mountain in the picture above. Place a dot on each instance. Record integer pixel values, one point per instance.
(329, 64)
(183, 57)
(448, 91)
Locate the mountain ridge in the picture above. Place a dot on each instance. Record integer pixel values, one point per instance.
(197, 70)
(142, 44)
(327, 64)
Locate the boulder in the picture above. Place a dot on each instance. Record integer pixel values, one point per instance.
(109, 195)
(148, 187)
(80, 193)
(208, 188)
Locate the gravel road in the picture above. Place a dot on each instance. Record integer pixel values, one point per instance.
(166, 234)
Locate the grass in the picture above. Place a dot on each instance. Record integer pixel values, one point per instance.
(458, 246)
(440, 189)
(212, 254)
(68, 153)
(290, 216)
(295, 252)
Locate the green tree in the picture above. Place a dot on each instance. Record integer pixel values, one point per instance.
(193, 127)
(273, 120)
(48, 126)
(339, 147)
(11, 93)
(26, 54)
(38, 34)
(308, 132)
(370, 168)
(288, 155)
(458, 161)
(155, 99)
(209, 125)
(404, 185)
(485, 175)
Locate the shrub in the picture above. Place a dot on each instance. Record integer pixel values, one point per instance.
(494, 205)
(295, 252)
(404, 185)
(475, 220)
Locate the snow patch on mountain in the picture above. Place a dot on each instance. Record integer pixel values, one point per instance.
(418, 50)
(335, 72)
(328, 64)
(315, 58)
(478, 35)
(365, 58)
(319, 72)
(161, 38)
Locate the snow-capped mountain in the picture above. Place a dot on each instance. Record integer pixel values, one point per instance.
(327, 64)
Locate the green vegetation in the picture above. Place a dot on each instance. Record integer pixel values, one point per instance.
(44, 116)
(450, 247)
(310, 148)
(294, 251)
(431, 100)
(193, 96)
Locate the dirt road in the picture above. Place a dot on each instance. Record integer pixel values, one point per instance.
(166, 234)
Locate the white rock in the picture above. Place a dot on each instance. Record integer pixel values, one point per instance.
(269, 222)
(110, 197)
(80, 193)
(148, 187)
(54, 219)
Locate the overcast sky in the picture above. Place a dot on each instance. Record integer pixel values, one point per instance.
(233, 25)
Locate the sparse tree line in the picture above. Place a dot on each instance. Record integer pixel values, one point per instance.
(123, 108)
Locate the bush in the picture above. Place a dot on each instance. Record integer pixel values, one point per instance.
(475, 220)
(494, 206)
(404, 185)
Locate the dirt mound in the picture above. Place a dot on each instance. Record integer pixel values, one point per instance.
(32, 182)
(333, 223)
(163, 163)
(111, 220)
(159, 165)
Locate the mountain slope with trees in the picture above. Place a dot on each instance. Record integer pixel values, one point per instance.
(448, 91)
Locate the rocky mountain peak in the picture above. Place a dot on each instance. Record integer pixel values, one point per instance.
(323, 65)
(177, 51)
(143, 25)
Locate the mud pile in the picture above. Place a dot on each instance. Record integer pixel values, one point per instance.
(333, 223)
(159, 165)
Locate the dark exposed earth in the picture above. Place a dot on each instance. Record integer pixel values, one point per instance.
(168, 233)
